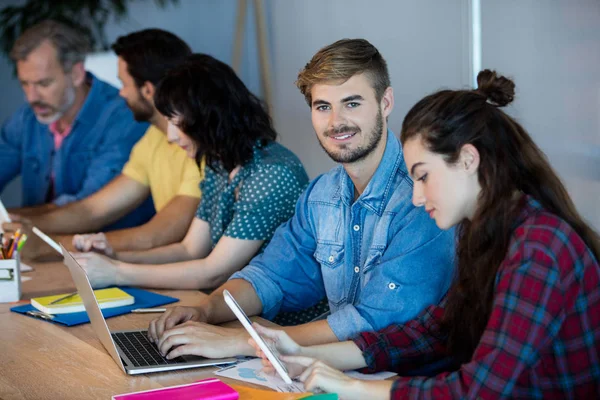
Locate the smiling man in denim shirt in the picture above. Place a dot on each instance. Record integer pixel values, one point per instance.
(355, 237)
(74, 134)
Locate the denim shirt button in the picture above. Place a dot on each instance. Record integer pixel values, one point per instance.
(392, 285)
(356, 269)
(331, 258)
(356, 228)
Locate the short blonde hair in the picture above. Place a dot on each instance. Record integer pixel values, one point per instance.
(340, 61)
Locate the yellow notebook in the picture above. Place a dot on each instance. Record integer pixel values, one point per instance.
(107, 298)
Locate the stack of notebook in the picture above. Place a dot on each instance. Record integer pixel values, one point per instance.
(72, 303)
(141, 299)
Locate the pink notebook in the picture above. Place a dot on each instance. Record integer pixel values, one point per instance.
(211, 388)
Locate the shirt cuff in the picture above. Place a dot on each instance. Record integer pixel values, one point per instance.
(363, 344)
(64, 199)
(347, 322)
(268, 292)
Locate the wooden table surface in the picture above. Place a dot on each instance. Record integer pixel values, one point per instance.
(42, 360)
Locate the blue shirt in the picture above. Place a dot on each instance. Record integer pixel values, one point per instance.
(95, 151)
(379, 260)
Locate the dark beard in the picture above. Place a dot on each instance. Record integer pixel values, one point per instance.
(348, 157)
(142, 111)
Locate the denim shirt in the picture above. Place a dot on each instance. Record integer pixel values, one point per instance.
(379, 260)
(95, 151)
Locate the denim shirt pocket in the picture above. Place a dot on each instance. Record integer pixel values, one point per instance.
(77, 167)
(36, 179)
(82, 156)
(331, 258)
(33, 162)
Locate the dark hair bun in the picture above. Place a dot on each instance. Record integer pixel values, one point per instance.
(497, 89)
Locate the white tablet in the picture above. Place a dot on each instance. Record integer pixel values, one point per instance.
(3, 216)
(270, 352)
(47, 239)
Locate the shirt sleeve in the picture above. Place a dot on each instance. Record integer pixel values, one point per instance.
(404, 348)
(137, 166)
(526, 315)
(192, 175)
(266, 200)
(10, 148)
(287, 266)
(121, 133)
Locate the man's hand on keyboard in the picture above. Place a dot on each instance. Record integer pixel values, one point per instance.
(201, 339)
(170, 318)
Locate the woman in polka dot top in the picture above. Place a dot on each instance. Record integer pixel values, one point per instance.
(250, 187)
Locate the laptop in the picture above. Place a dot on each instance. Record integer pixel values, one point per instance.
(131, 350)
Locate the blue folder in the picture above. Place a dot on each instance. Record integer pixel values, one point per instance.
(143, 299)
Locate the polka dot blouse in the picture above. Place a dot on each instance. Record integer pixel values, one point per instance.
(260, 197)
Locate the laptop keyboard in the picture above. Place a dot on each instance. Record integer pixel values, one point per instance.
(140, 351)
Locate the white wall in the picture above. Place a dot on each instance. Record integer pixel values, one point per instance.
(208, 26)
(552, 50)
(423, 42)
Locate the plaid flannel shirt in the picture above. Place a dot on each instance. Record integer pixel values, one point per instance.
(542, 339)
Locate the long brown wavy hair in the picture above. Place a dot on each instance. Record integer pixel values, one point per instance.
(510, 163)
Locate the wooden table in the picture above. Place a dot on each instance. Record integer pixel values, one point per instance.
(42, 360)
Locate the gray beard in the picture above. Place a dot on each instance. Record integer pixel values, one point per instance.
(70, 100)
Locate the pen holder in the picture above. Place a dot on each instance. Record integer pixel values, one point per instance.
(10, 279)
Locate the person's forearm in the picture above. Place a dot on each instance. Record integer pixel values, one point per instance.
(216, 311)
(312, 333)
(163, 229)
(143, 238)
(70, 219)
(375, 390)
(192, 274)
(341, 355)
(33, 210)
(172, 253)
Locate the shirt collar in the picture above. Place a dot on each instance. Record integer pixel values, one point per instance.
(257, 148)
(527, 206)
(93, 101)
(55, 132)
(379, 188)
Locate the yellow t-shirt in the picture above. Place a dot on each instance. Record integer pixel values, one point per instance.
(164, 167)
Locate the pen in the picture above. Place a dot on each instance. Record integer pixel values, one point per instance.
(8, 247)
(22, 241)
(40, 314)
(15, 242)
(148, 310)
(63, 298)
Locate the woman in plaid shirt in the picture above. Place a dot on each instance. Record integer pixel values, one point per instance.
(522, 319)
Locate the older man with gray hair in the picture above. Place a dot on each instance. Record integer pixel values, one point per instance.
(74, 134)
